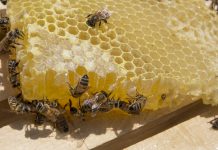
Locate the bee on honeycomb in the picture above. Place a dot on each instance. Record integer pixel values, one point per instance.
(98, 16)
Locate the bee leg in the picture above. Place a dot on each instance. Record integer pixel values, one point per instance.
(66, 104)
(17, 43)
(99, 23)
(88, 15)
(105, 21)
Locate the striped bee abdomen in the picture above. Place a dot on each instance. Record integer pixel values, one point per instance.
(81, 87)
(61, 124)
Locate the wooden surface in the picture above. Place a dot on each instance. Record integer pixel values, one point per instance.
(193, 134)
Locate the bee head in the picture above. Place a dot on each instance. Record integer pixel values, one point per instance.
(85, 76)
(73, 110)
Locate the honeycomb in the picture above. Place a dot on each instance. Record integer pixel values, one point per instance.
(154, 47)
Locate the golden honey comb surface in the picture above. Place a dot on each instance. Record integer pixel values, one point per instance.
(156, 47)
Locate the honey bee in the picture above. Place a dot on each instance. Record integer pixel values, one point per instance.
(101, 15)
(9, 41)
(44, 109)
(214, 123)
(14, 80)
(137, 105)
(4, 2)
(17, 104)
(214, 5)
(5, 24)
(80, 88)
(12, 64)
(52, 114)
(94, 103)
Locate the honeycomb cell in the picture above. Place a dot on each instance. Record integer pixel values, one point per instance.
(62, 24)
(58, 10)
(48, 12)
(38, 9)
(139, 71)
(50, 19)
(130, 74)
(114, 43)
(154, 55)
(41, 22)
(119, 31)
(47, 5)
(61, 32)
(131, 36)
(71, 22)
(146, 58)
(60, 17)
(103, 37)
(133, 45)
(149, 39)
(136, 53)
(119, 60)
(157, 63)
(105, 46)
(51, 28)
(138, 62)
(116, 52)
(73, 30)
(95, 40)
(122, 39)
(82, 27)
(129, 66)
(164, 61)
(84, 36)
(127, 56)
(111, 35)
(148, 67)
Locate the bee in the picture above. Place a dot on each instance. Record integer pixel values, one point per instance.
(5, 24)
(17, 104)
(52, 114)
(14, 80)
(12, 64)
(101, 15)
(80, 88)
(94, 103)
(4, 2)
(137, 105)
(9, 41)
(44, 109)
(214, 5)
(214, 123)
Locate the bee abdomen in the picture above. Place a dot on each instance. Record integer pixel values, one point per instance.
(62, 124)
(39, 119)
(84, 80)
(135, 108)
